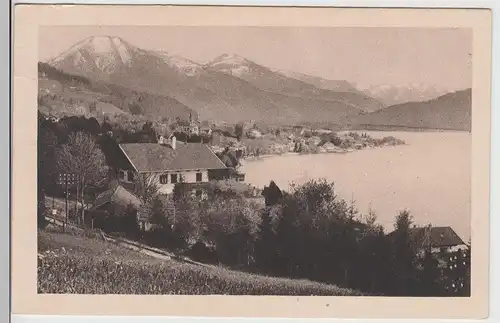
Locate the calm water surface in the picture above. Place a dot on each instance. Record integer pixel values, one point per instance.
(430, 176)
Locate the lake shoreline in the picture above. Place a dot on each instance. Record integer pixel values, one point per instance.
(339, 152)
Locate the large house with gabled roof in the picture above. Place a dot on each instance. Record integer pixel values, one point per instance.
(439, 240)
(169, 162)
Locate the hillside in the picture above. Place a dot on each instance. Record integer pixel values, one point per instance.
(62, 93)
(92, 266)
(448, 112)
(219, 91)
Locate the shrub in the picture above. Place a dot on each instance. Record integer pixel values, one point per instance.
(201, 252)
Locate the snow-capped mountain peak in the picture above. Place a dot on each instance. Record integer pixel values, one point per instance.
(103, 52)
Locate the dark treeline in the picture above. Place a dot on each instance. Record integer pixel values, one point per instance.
(308, 233)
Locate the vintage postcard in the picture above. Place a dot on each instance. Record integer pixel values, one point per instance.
(251, 161)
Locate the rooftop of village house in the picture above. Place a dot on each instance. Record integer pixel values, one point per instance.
(156, 157)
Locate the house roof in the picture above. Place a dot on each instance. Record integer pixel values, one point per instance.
(117, 195)
(153, 157)
(439, 236)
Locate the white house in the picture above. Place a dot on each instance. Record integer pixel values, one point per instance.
(169, 162)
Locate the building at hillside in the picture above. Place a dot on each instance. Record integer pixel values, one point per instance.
(440, 239)
(168, 162)
(112, 204)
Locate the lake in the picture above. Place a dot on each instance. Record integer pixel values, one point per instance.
(429, 176)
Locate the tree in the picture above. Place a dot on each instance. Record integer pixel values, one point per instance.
(93, 127)
(41, 209)
(46, 155)
(272, 194)
(83, 157)
(46, 146)
(404, 255)
(106, 127)
(238, 130)
(130, 223)
(156, 213)
(265, 249)
(149, 132)
(161, 234)
(429, 275)
(146, 187)
(135, 109)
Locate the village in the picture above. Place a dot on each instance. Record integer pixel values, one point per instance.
(257, 140)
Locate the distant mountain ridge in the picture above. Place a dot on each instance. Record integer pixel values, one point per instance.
(231, 88)
(413, 92)
(452, 111)
(337, 85)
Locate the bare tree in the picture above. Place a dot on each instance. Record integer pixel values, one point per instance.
(83, 157)
(146, 187)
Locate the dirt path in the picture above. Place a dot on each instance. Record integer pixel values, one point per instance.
(132, 245)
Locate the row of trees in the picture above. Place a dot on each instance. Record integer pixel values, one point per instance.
(306, 233)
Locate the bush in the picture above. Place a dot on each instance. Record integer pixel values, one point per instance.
(201, 252)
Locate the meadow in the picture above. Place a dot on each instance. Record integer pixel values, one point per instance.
(71, 263)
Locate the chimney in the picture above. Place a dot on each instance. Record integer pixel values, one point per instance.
(174, 142)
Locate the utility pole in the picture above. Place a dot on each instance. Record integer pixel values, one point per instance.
(65, 180)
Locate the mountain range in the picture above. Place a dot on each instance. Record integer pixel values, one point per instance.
(229, 88)
(451, 111)
(392, 95)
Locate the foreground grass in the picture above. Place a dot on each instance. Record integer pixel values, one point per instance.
(81, 265)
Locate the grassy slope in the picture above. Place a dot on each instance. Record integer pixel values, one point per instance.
(77, 264)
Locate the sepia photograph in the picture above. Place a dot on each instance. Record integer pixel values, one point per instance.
(231, 171)
(255, 160)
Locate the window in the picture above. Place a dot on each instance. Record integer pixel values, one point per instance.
(173, 178)
(121, 175)
(163, 179)
(199, 177)
(130, 175)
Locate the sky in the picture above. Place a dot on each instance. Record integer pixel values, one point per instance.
(364, 56)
